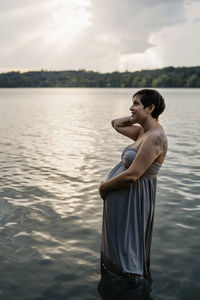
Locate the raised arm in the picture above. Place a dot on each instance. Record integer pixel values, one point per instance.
(126, 127)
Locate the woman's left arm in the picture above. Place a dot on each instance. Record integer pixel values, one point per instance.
(153, 146)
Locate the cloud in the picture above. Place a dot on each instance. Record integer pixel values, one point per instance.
(102, 35)
(174, 45)
(33, 34)
(122, 28)
(130, 22)
(179, 45)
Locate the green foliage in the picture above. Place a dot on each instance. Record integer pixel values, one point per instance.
(166, 77)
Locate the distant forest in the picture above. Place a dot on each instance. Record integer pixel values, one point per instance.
(165, 77)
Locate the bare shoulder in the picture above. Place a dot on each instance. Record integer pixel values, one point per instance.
(157, 138)
(140, 131)
(153, 148)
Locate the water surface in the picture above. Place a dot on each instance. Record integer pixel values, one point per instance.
(56, 145)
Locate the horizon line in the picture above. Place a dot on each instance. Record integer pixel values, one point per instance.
(87, 70)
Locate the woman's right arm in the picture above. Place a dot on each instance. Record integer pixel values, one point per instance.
(126, 127)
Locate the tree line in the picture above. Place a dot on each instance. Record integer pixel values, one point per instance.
(165, 77)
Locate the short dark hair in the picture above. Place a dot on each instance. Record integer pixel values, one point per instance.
(149, 97)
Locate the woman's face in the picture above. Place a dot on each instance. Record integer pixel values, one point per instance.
(138, 112)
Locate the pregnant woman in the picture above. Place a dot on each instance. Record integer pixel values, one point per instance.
(129, 200)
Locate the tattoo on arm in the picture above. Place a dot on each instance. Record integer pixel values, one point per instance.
(160, 144)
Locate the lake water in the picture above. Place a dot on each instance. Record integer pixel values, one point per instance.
(56, 145)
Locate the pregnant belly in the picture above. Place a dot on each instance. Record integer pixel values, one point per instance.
(119, 168)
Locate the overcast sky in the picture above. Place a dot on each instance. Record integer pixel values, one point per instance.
(99, 35)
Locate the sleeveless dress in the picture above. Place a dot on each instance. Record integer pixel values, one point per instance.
(128, 215)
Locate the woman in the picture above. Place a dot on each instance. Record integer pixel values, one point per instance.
(129, 196)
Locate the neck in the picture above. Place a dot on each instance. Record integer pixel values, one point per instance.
(149, 123)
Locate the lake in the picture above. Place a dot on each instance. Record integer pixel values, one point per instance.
(57, 144)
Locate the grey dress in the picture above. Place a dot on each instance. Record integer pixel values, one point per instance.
(128, 215)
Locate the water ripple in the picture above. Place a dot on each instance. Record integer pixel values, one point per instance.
(56, 146)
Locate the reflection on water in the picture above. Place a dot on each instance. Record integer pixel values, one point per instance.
(56, 146)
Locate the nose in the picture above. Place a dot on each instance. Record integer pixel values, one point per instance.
(131, 108)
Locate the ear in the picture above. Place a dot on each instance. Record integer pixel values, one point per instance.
(151, 108)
